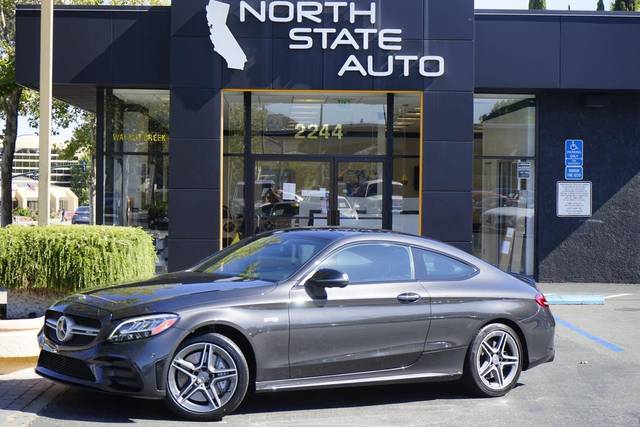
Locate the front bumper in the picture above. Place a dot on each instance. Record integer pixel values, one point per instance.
(136, 368)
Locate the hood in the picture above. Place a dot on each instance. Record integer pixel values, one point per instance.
(169, 293)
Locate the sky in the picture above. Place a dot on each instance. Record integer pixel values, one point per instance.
(25, 129)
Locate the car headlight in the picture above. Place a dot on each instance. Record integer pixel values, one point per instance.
(143, 327)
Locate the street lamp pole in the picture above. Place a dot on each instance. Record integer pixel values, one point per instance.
(46, 75)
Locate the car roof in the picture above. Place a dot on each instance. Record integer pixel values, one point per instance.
(356, 233)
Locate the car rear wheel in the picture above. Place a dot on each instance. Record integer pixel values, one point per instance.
(207, 379)
(494, 361)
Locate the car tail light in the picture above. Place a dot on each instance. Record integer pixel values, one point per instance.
(542, 301)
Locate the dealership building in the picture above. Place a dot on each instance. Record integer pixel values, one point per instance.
(513, 135)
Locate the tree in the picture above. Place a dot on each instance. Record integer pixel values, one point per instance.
(537, 4)
(82, 146)
(624, 5)
(16, 100)
(600, 5)
(81, 182)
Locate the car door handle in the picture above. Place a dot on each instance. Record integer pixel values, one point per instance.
(408, 297)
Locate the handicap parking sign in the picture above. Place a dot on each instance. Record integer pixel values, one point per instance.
(574, 152)
(573, 173)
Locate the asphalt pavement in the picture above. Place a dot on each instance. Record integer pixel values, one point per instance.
(595, 381)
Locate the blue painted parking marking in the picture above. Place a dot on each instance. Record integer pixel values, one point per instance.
(587, 335)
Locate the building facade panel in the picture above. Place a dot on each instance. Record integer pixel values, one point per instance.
(447, 215)
(594, 50)
(603, 248)
(184, 251)
(449, 20)
(195, 113)
(471, 157)
(517, 52)
(191, 159)
(208, 73)
(143, 36)
(446, 166)
(447, 116)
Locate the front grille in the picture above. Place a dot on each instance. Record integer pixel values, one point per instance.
(88, 329)
(64, 365)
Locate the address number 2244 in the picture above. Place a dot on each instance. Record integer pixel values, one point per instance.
(317, 131)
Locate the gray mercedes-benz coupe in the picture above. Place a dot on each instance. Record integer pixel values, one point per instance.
(299, 309)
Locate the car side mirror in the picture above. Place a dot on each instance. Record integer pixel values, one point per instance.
(327, 278)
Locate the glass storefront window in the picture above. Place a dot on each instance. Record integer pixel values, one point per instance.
(407, 119)
(504, 181)
(137, 160)
(406, 195)
(318, 123)
(406, 125)
(320, 158)
(233, 123)
(233, 200)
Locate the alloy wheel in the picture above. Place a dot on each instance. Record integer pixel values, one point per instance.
(203, 377)
(497, 360)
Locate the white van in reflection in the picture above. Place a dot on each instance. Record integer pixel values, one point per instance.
(368, 198)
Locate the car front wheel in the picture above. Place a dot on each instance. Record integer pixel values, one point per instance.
(207, 379)
(494, 361)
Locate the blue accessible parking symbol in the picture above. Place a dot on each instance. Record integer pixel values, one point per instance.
(574, 152)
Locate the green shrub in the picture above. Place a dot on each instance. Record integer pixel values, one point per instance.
(21, 212)
(72, 258)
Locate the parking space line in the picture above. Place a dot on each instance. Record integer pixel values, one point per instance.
(587, 335)
(617, 296)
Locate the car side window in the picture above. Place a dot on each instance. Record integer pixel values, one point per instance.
(433, 266)
(372, 263)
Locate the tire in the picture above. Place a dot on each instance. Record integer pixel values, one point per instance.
(491, 371)
(203, 388)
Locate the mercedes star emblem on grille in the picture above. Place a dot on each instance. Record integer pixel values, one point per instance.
(64, 329)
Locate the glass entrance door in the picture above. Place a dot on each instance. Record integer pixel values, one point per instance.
(291, 194)
(332, 192)
(320, 159)
(360, 194)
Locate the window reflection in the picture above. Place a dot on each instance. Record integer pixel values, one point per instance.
(504, 181)
(320, 158)
(406, 163)
(319, 123)
(137, 161)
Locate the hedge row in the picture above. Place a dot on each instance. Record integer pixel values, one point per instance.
(72, 258)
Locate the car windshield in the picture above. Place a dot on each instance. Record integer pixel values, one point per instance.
(82, 210)
(273, 258)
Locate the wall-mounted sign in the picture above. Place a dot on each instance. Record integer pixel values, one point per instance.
(524, 170)
(574, 160)
(574, 199)
(573, 173)
(574, 152)
(317, 26)
(140, 137)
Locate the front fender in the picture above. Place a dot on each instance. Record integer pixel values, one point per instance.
(264, 327)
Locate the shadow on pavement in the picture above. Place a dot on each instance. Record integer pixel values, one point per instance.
(81, 405)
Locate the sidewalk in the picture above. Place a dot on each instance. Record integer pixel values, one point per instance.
(22, 395)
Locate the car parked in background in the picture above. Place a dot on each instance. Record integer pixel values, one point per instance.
(82, 215)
